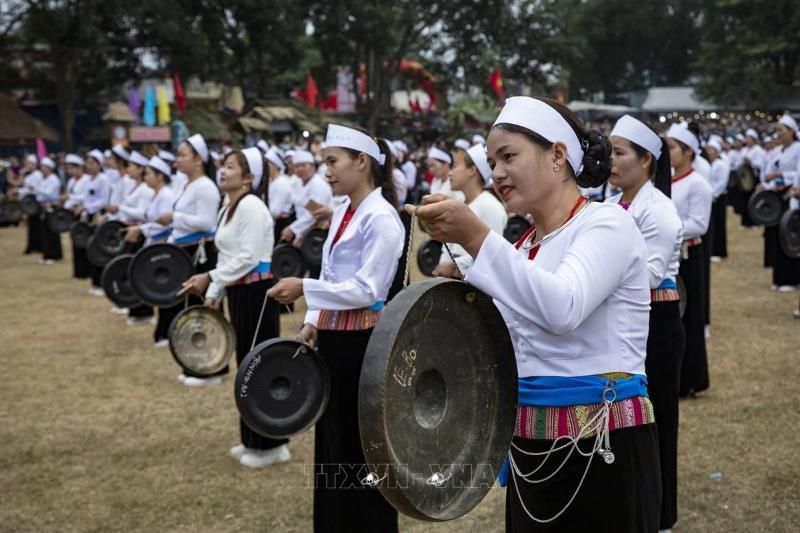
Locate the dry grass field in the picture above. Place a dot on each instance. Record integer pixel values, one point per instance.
(96, 433)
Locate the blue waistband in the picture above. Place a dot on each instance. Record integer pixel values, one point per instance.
(554, 391)
(377, 306)
(162, 234)
(197, 236)
(668, 284)
(262, 268)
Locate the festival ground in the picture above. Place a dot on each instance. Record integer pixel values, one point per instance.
(97, 434)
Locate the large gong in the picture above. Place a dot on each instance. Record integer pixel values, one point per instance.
(789, 233)
(311, 246)
(157, 272)
(766, 208)
(201, 340)
(515, 228)
(437, 399)
(282, 388)
(115, 283)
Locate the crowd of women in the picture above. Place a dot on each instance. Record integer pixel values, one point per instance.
(589, 293)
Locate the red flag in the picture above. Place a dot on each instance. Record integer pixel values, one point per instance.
(330, 103)
(180, 96)
(496, 81)
(311, 91)
(414, 105)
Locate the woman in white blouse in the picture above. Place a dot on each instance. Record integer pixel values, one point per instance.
(692, 195)
(359, 261)
(192, 223)
(77, 186)
(131, 210)
(244, 242)
(157, 178)
(47, 192)
(574, 294)
(470, 174)
(641, 168)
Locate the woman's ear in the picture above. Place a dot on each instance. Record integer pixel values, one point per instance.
(559, 153)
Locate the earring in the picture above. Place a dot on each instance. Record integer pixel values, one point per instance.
(556, 167)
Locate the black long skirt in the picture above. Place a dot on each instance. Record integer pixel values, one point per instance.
(694, 370)
(747, 221)
(785, 269)
(706, 245)
(770, 245)
(623, 497)
(665, 345)
(80, 264)
(244, 303)
(719, 246)
(51, 242)
(734, 198)
(34, 234)
(342, 504)
(95, 273)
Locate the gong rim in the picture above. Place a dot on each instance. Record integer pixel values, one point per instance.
(29, 205)
(282, 388)
(80, 233)
(745, 178)
(196, 354)
(115, 283)
(515, 228)
(765, 208)
(157, 273)
(287, 262)
(109, 238)
(385, 384)
(789, 233)
(94, 254)
(428, 256)
(60, 220)
(311, 246)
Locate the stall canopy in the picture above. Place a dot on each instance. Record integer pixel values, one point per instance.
(18, 127)
(668, 99)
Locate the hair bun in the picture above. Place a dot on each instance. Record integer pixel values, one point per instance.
(596, 160)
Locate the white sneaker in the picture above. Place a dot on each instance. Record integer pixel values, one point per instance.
(119, 310)
(707, 332)
(238, 451)
(787, 288)
(773, 287)
(191, 381)
(262, 458)
(96, 291)
(46, 262)
(181, 377)
(163, 343)
(796, 313)
(715, 259)
(141, 321)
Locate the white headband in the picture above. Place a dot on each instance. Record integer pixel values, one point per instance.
(98, 155)
(478, 139)
(302, 156)
(392, 148)
(47, 162)
(273, 157)
(715, 144)
(199, 144)
(166, 156)
(32, 159)
(160, 165)
(637, 132)
(545, 121)
(120, 152)
(73, 159)
(789, 122)
(400, 145)
(138, 159)
(355, 140)
(255, 161)
(740, 137)
(462, 144)
(682, 134)
(478, 155)
(263, 145)
(752, 133)
(440, 155)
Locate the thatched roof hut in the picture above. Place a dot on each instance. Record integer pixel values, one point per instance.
(18, 127)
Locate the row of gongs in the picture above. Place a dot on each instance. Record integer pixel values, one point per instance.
(766, 208)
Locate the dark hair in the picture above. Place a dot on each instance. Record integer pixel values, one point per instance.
(470, 164)
(694, 127)
(381, 174)
(596, 146)
(660, 169)
(683, 146)
(208, 166)
(242, 160)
